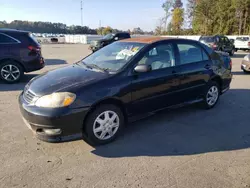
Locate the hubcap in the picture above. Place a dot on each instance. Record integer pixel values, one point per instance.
(10, 72)
(106, 125)
(212, 95)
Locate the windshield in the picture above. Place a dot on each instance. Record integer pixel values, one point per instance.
(243, 38)
(114, 56)
(109, 36)
(207, 39)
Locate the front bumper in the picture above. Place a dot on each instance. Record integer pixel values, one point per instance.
(39, 120)
(245, 65)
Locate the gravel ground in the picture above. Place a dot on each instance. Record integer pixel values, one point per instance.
(182, 148)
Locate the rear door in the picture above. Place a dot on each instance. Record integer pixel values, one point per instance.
(155, 89)
(195, 69)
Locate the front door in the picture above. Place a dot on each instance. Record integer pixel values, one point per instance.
(155, 89)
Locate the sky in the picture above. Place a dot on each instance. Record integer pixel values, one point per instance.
(120, 14)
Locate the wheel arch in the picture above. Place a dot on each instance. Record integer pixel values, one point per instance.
(113, 101)
(218, 80)
(12, 59)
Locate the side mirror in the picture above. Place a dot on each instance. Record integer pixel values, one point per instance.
(116, 38)
(142, 68)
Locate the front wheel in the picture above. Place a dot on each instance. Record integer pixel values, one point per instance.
(211, 95)
(103, 125)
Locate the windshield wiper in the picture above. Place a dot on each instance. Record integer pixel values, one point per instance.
(91, 66)
(97, 67)
(83, 63)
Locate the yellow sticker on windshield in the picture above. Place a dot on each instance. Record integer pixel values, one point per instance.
(135, 49)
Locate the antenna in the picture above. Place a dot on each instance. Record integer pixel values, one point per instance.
(81, 15)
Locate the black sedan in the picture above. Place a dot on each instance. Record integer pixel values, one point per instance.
(98, 95)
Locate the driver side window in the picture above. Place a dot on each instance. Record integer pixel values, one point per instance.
(159, 57)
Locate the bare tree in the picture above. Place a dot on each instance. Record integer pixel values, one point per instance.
(167, 8)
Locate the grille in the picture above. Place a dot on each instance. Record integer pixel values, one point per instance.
(28, 96)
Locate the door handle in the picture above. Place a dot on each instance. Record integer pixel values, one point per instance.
(174, 72)
(207, 66)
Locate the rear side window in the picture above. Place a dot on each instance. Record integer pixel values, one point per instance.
(26, 38)
(33, 39)
(190, 53)
(5, 39)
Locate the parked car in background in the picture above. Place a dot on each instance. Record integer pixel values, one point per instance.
(108, 39)
(242, 43)
(245, 65)
(232, 41)
(120, 82)
(219, 43)
(19, 53)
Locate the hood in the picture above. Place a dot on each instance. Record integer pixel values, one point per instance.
(97, 42)
(103, 40)
(64, 78)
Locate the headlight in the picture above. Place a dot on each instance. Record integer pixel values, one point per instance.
(247, 58)
(56, 100)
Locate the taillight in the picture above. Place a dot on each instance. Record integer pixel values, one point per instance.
(231, 64)
(33, 48)
(248, 43)
(214, 46)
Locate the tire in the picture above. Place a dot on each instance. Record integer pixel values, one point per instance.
(212, 86)
(11, 71)
(246, 72)
(236, 49)
(232, 52)
(103, 128)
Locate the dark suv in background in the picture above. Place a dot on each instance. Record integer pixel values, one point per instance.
(219, 43)
(108, 39)
(19, 53)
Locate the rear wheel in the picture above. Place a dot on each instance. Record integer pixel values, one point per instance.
(211, 95)
(103, 125)
(11, 71)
